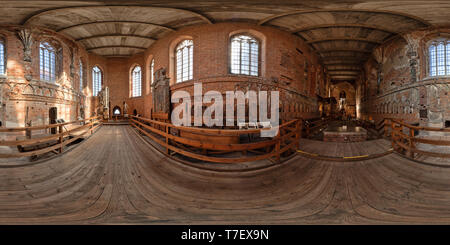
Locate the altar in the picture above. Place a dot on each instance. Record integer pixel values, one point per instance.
(344, 134)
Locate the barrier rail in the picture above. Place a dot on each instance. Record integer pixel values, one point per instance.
(197, 139)
(312, 126)
(89, 125)
(406, 142)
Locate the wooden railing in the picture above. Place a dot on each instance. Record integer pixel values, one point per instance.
(313, 126)
(196, 142)
(405, 142)
(48, 142)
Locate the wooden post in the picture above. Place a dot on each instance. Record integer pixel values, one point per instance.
(167, 138)
(386, 127)
(278, 146)
(28, 133)
(61, 138)
(91, 125)
(411, 143)
(392, 135)
(297, 133)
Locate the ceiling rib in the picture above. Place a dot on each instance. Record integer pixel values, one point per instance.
(114, 35)
(115, 46)
(296, 12)
(46, 11)
(372, 27)
(345, 69)
(115, 22)
(343, 50)
(343, 39)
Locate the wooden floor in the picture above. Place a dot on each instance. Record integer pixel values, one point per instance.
(113, 178)
(337, 149)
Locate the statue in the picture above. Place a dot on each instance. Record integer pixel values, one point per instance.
(161, 92)
(103, 103)
(125, 109)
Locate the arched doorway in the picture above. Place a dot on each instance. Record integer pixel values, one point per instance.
(117, 111)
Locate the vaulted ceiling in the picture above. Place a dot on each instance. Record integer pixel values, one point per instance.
(343, 33)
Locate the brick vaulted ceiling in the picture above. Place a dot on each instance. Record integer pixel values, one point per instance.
(342, 32)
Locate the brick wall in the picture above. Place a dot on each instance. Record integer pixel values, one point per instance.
(396, 82)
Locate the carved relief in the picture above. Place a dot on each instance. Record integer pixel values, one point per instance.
(26, 38)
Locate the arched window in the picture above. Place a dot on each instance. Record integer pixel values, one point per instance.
(2, 57)
(96, 80)
(439, 55)
(152, 70)
(47, 62)
(80, 74)
(184, 60)
(136, 82)
(244, 55)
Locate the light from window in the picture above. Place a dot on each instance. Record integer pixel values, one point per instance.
(2, 58)
(116, 111)
(152, 70)
(80, 73)
(136, 81)
(439, 54)
(47, 62)
(96, 80)
(244, 55)
(184, 64)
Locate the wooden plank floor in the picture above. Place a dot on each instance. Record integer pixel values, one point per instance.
(337, 149)
(114, 178)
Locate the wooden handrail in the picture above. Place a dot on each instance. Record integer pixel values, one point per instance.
(60, 137)
(19, 129)
(288, 138)
(406, 143)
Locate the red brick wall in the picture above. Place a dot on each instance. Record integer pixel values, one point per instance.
(399, 95)
(280, 60)
(18, 92)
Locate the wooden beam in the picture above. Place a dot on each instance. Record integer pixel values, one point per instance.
(115, 22)
(297, 12)
(342, 62)
(116, 46)
(47, 11)
(344, 50)
(339, 25)
(344, 57)
(344, 69)
(343, 39)
(114, 35)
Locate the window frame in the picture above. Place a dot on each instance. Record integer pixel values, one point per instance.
(230, 54)
(133, 82)
(190, 61)
(446, 58)
(46, 45)
(81, 75)
(152, 71)
(4, 56)
(100, 71)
